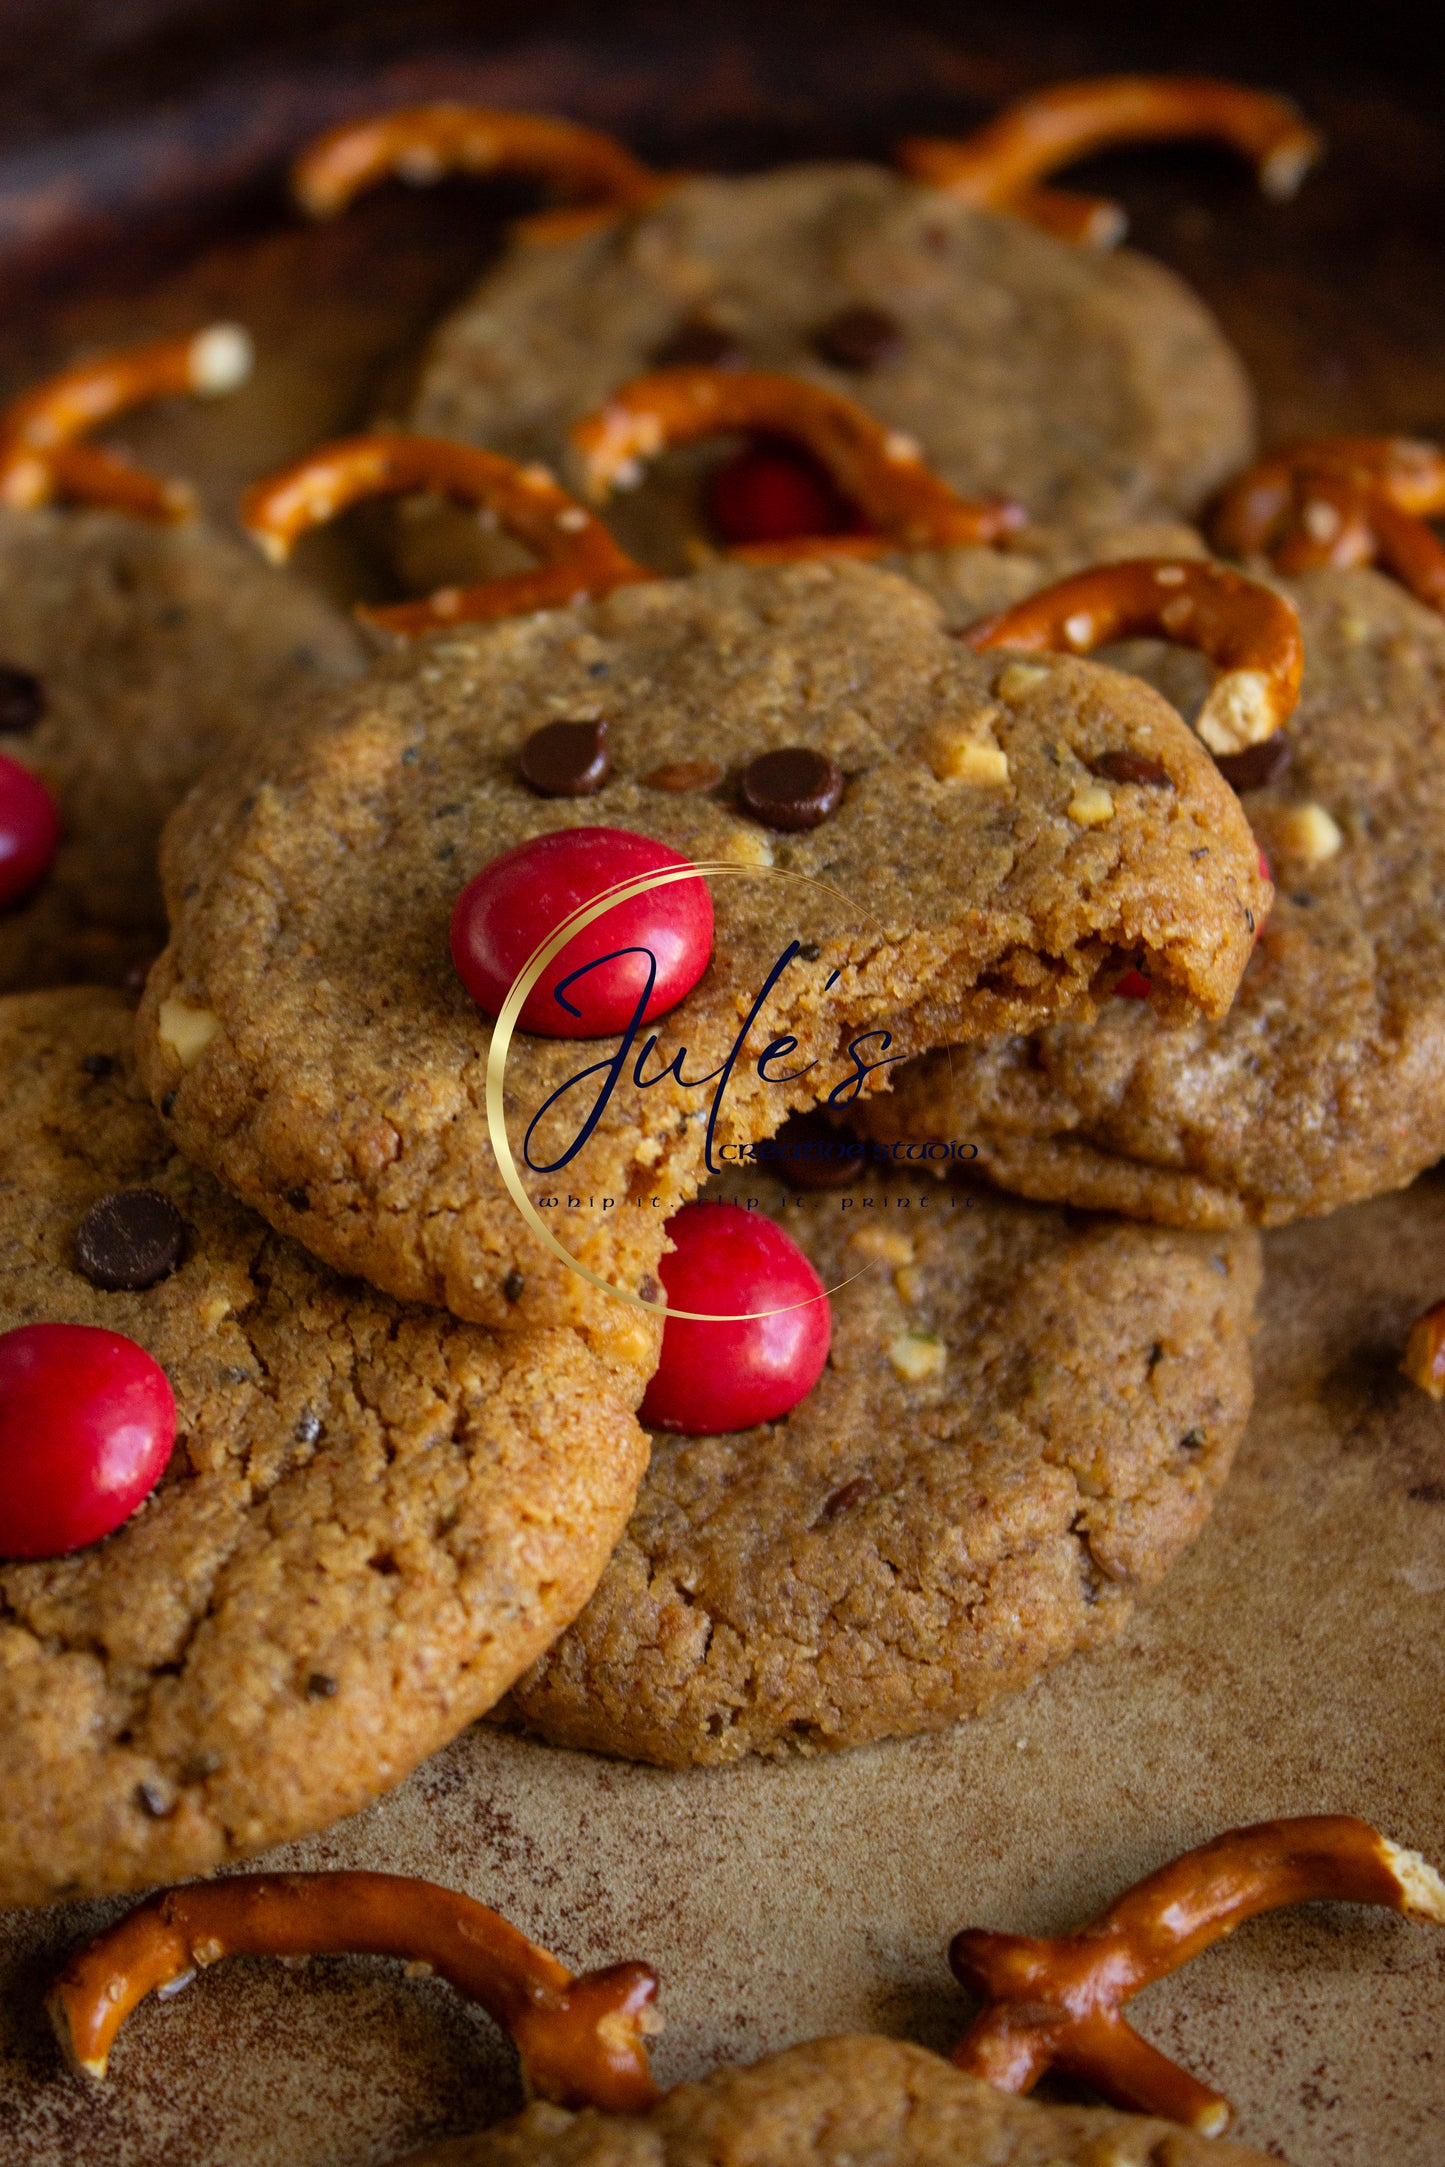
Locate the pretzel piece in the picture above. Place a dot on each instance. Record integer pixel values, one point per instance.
(881, 471)
(1000, 164)
(581, 2038)
(1058, 2002)
(1251, 633)
(1342, 500)
(579, 556)
(42, 452)
(422, 143)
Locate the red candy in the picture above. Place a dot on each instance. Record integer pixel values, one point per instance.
(1134, 986)
(714, 1377)
(29, 831)
(87, 1422)
(515, 902)
(1266, 871)
(776, 493)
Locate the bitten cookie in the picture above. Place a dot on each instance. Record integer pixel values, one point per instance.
(833, 2103)
(372, 1519)
(1321, 1085)
(1085, 385)
(307, 1037)
(1024, 1419)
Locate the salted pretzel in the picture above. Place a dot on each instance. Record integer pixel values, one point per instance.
(1002, 164)
(43, 453)
(882, 472)
(1247, 630)
(1058, 2002)
(579, 556)
(581, 2038)
(596, 176)
(1424, 1358)
(1342, 500)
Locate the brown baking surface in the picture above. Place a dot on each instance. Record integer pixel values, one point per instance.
(1292, 1664)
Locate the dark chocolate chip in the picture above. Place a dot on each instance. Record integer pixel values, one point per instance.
(298, 1199)
(153, 1802)
(199, 1766)
(678, 775)
(129, 1240)
(168, 1105)
(22, 701)
(320, 1687)
(1191, 1440)
(852, 1493)
(859, 339)
(700, 344)
(513, 1285)
(566, 759)
(98, 1064)
(1257, 764)
(792, 788)
(649, 1288)
(1133, 767)
(810, 951)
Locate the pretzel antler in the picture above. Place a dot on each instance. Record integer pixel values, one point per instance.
(1342, 500)
(581, 2039)
(42, 452)
(1248, 630)
(1058, 2002)
(1000, 164)
(421, 143)
(882, 472)
(579, 556)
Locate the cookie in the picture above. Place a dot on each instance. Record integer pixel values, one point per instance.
(832, 2103)
(373, 1518)
(308, 1039)
(1321, 1085)
(1024, 1419)
(1085, 385)
(152, 648)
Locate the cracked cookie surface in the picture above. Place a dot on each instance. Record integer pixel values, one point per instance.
(1322, 1084)
(1085, 385)
(1025, 1418)
(373, 1518)
(852, 2101)
(155, 648)
(306, 1035)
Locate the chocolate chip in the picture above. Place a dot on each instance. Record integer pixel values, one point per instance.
(513, 1285)
(168, 1104)
(700, 344)
(566, 759)
(153, 1802)
(792, 788)
(685, 775)
(649, 1288)
(1191, 1440)
(1257, 764)
(320, 1687)
(98, 1064)
(298, 1199)
(129, 1240)
(199, 1766)
(859, 338)
(1133, 767)
(852, 1493)
(22, 701)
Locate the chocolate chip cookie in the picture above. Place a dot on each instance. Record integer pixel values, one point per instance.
(133, 653)
(832, 2103)
(1085, 385)
(373, 1518)
(1024, 1420)
(1321, 1085)
(307, 1038)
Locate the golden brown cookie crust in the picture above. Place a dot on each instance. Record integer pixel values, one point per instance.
(1322, 1084)
(156, 648)
(1025, 1419)
(373, 1518)
(835, 2103)
(311, 887)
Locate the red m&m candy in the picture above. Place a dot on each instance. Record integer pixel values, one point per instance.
(29, 831)
(776, 492)
(504, 914)
(87, 1422)
(729, 1263)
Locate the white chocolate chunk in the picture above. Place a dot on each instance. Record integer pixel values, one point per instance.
(917, 1356)
(1091, 807)
(187, 1031)
(1309, 833)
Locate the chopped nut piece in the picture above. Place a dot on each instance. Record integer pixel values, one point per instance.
(1092, 806)
(881, 1242)
(917, 1356)
(187, 1031)
(1424, 1362)
(1019, 679)
(1307, 832)
(908, 1283)
(746, 846)
(956, 756)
